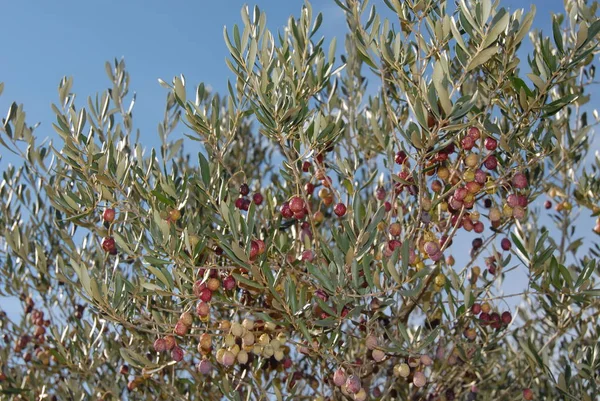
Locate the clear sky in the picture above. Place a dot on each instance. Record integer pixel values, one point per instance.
(44, 40)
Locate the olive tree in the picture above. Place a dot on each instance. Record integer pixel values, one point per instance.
(332, 227)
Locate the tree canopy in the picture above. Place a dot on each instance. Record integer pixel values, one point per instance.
(332, 227)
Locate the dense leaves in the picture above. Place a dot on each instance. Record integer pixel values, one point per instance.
(319, 232)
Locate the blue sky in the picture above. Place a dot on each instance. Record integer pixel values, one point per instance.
(45, 40)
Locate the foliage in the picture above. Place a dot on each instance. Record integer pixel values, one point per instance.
(339, 282)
